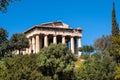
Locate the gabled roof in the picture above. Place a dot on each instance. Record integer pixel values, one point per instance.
(57, 24)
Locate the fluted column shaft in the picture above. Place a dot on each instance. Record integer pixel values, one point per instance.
(79, 45)
(54, 39)
(33, 44)
(27, 50)
(30, 45)
(37, 43)
(63, 39)
(46, 41)
(72, 45)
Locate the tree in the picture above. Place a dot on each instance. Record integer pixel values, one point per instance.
(4, 4)
(117, 73)
(115, 49)
(3, 41)
(5, 48)
(19, 42)
(22, 67)
(115, 28)
(57, 61)
(86, 49)
(98, 67)
(103, 43)
(3, 35)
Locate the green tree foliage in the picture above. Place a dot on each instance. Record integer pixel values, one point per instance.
(117, 73)
(86, 49)
(85, 56)
(103, 43)
(3, 41)
(5, 48)
(3, 35)
(115, 28)
(19, 42)
(97, 67)
(115, 49)
(4, 4)
(57, 61)
(116, 45)
(22, 67)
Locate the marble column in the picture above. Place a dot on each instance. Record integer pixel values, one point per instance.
(40, 40)
(17, 51)
(63, 39)
(54, 39)
(72, 45)
(79, 45)
(46, 41)
(27, 50)
(23, 52)
(33, 44)
(30, 45)
(37, 43)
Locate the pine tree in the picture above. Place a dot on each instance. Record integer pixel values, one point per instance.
(115, 28)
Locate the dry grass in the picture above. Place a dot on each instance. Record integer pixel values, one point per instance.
(78, 63)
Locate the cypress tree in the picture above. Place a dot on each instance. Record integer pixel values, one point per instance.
(115, 37)
(115, 28)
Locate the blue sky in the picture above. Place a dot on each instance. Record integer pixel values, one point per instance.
(94, 16)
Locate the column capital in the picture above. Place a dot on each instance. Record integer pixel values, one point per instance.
(54, 35)
(37, 34)
(45, 34)
(33, 35)
(30, 37)
(63, 35)
(72, 36)
(79, 37)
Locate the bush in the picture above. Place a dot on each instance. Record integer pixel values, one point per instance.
(57, 61)
(21, 67)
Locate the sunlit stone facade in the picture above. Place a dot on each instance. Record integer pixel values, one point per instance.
(43, 35)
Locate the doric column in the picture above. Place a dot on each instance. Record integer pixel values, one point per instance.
(72, 45)
(63, 39)
(33, 44)
(27, 50)
(41, 42)
(17, 52)
(23, 52)
(79, 45)
(46, 41)
(54, 39)
(37, 43)
(30, 45)
(76, 46)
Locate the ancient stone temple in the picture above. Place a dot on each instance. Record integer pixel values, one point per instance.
(43, 35)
